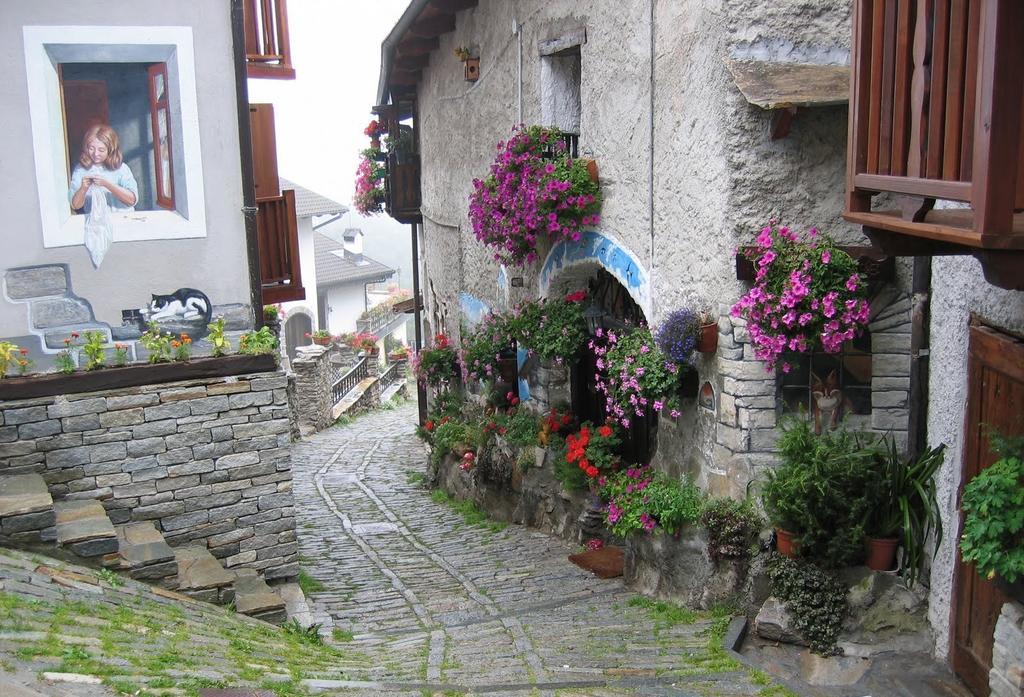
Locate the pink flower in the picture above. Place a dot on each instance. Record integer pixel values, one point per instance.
(826, 257)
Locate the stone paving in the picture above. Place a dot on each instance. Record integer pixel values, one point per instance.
(464, 608)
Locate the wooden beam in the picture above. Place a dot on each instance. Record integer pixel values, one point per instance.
(452, 5)
(433, 26)
(411, 62)
(404, 77)
(782, 119)
(416, 47)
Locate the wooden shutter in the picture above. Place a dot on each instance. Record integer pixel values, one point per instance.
(160, 115)
(264, 152)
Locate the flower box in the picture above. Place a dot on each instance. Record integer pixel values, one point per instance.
(136, 375)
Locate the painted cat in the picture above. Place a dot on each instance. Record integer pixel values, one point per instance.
(182, 304)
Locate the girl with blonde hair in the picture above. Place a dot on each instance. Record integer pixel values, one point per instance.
(101, 164)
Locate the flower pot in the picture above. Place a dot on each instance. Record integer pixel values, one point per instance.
(786, 543)
(882, 553)
(591, 169)
(375, 143)
(707, 340)
(322, 340)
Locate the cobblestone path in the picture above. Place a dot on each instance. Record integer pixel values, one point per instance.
(447, 606)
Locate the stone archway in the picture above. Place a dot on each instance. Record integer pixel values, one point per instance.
(571, 265)
(620, 287)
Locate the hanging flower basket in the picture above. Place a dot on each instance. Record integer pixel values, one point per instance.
(808, 295)
(534, 191)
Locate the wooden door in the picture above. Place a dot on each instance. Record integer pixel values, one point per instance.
(85, 106)
(995, 400)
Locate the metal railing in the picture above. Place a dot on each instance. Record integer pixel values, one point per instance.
(347, 382)
(394, 373)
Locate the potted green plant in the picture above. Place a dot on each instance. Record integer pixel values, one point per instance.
(993, 508)
(320, 337)
(822, 491)
(906, 511)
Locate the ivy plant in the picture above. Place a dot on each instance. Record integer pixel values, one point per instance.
(815, 600)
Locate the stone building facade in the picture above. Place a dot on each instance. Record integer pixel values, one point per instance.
(689, 172)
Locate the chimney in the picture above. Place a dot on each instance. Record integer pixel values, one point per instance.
(353, 240)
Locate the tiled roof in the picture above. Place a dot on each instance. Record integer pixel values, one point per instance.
(336, 265)
(309, 203)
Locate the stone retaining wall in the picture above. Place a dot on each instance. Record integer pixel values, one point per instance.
(205, 459)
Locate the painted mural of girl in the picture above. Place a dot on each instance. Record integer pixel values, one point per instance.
(102, 164)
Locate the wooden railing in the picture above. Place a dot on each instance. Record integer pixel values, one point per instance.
(278, 238)
(347, 382)
(267, 50)
(935, 113)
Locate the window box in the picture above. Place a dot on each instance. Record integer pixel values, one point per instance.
(137, 375)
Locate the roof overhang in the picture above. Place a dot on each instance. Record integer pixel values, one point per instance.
(406, 50)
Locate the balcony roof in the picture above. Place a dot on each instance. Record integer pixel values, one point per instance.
(776, 85)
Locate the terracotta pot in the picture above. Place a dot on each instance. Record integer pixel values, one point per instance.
(591, 169)
(375, 143)
(882, 553)
(707, 341)
(322, 341)
(786, 543)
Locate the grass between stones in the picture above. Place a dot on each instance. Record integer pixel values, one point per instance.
(308, 584)
(146, 648)
(469, 511)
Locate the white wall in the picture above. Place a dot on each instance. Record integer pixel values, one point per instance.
(131, 271)
(345, 302)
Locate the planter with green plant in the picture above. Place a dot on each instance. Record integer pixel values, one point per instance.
(437, 366)
(822, 491)
(320, 337)
(732, 527)
(993, 511)
(905, 511)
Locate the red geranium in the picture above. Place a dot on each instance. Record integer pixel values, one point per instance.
(592, 450)
(373, 129)
(429, 425)
(578, 296)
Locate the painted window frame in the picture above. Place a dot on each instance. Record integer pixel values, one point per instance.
(46, 47)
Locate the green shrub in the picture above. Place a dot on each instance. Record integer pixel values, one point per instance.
(732, 527)
(640, 499)
(815, 601)
(824, 491)
(993, 505)
(450, 435)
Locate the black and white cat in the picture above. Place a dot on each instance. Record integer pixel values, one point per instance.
(183, 304)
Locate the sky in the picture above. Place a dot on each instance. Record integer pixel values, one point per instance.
(320, 115)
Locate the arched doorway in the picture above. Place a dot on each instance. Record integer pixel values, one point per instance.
(620, 313)
(296, 327)
(619, 295)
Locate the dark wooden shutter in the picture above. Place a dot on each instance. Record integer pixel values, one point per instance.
(995, 400)
(264, 151)
(160, 115)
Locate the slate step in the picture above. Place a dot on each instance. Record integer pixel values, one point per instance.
(26, 508)
(145, 555)
(254, 598)
(201, 576)
(84, 528)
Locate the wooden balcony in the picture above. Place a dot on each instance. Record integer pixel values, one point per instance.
(267, 51)
(278, 236)
(936, 114)
(402, 189)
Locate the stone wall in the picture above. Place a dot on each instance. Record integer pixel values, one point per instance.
(1006, 679)
(313, 383)
(207, 460)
